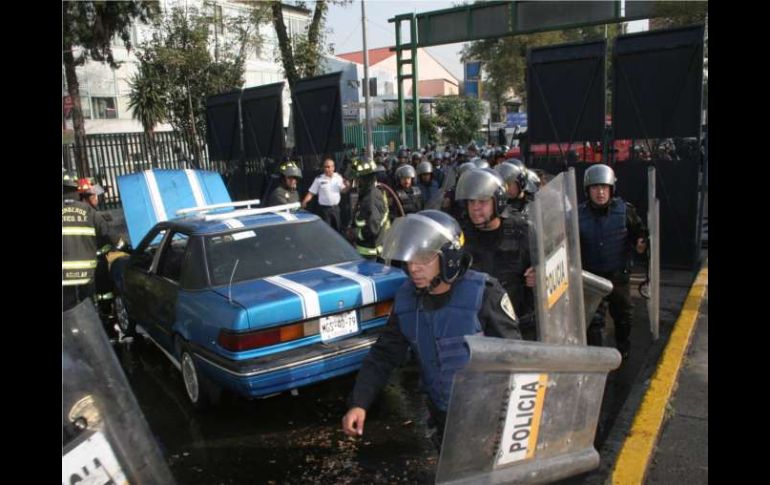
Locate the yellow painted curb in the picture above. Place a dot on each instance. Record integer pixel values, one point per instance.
(634, 457)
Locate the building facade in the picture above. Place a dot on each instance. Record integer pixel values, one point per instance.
(104, 92)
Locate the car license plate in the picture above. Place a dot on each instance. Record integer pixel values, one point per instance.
(336, 326)
(92, 461)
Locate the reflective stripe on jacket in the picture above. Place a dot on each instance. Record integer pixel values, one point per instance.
(78, 243)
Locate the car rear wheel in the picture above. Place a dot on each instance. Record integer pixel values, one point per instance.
(126, 325)
(201, 392)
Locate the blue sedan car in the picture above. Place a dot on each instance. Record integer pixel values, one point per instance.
(257, 301)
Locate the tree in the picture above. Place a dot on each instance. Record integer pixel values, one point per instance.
(459, 117)
(91, 26)
(428, 128)
(300, 55)
(147, 100)
(672, 14)
(505, 61)
(178, 60)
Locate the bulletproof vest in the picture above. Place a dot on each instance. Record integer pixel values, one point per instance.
(428, 190)
(436, 336)
(78, 243)
(409, 199)
(506, 257)
(603, 238)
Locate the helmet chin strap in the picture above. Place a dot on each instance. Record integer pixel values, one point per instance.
(484, 224)
(431, 286)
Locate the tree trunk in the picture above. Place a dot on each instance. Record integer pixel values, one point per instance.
(312, 37)
(284, 43)
(193, 132)
(154, 159)
(73, 88)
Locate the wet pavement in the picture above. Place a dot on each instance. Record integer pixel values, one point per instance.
(284, 438)
(298, 439)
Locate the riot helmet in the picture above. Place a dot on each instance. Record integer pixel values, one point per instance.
(419, 237)
(599, 174)
(424, 167)
(512, 173)
(405, 171)
(464, 167)
(479, 162)
(482, 184)
(532, 184)
(516, 162)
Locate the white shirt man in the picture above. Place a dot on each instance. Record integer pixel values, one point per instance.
(328, 186)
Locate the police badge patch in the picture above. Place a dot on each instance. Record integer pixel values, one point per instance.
(507, 306)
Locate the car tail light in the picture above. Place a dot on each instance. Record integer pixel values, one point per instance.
(377, 310)
(262, 338)
(383, 308)
(240, 341)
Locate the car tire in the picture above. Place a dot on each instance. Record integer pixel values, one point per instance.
(126, 325)
(202, 393)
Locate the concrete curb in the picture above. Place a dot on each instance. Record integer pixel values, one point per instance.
(639, 446)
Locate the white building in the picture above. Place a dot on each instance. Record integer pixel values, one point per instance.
(104, 92)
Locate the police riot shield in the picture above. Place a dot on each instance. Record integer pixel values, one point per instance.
(450, 179)
(524, 412)
(555, 252)
(105, 438)
(594, 289)
(653, 226)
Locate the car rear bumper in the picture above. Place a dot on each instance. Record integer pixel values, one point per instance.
(288, 370)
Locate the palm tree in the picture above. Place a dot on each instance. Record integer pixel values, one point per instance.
(88, 29)
(147, 102)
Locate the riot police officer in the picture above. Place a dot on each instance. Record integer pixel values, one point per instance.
(409, 195)
(286, 193)
(442, 301)
(515, 177)
(371, 214)
(498, 239)
(610, 230)
(428, 186)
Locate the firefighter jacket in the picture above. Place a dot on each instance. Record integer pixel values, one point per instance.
(78, 243)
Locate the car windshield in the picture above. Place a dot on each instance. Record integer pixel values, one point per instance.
(275, 249)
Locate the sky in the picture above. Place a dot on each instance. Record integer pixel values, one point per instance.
(345, 25)
(346, 36)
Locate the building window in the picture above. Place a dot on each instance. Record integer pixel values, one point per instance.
(372, 87)
(104, 108)
(218, 21)
(296, 26)
(85, 104)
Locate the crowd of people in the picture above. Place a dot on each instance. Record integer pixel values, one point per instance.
(457, 221)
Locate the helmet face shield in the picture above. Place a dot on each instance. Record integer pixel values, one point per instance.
(478, 185)
(414, 238)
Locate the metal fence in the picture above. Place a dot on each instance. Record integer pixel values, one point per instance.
(112, 155)
(382, 135)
